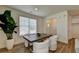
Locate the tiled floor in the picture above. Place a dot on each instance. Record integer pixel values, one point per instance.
(61, 48)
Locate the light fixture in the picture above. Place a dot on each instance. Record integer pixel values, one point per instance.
(36, 9)
(48, 25)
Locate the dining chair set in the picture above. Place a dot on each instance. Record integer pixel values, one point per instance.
(50, 44)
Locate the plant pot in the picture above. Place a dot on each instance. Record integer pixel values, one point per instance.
(9, 44)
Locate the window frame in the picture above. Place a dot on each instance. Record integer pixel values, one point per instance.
(28, 25)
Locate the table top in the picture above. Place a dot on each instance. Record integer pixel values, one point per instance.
(36, 37)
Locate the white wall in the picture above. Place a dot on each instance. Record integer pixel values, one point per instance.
(75, 26)
(69, 26)
(15, 15)
(61, 25)
(51, 29)
(2, 39)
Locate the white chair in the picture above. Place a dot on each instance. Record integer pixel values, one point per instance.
(53, 42)
(26, 43)
(77, 45)
(41, 47)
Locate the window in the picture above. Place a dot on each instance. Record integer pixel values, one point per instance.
(27, 25)
(33, 26)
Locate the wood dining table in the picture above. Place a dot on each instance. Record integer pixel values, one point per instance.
(36, 37)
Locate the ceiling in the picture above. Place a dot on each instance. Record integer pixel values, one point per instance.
(44, 10)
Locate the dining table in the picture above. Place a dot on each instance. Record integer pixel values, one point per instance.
(36, 37)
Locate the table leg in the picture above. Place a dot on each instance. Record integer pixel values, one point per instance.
(30, 48)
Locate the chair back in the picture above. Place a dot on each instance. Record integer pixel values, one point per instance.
(53, 42)
(53, 38)
(41, 47)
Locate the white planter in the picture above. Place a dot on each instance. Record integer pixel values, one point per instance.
(9, 44)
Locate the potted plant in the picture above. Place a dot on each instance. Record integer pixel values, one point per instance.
(8, 25)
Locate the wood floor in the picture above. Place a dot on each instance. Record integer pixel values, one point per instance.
(66, 48)
(61, 48)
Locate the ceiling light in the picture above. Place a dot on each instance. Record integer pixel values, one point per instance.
(36, 9)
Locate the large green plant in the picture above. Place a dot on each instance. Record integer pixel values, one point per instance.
(7, 24)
